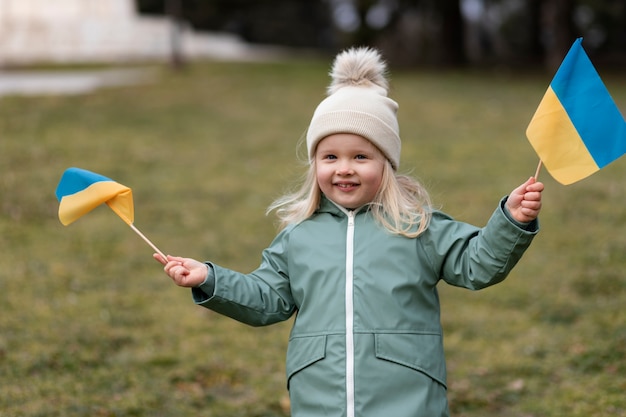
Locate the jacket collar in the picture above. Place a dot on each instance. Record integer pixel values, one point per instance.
(329, 206)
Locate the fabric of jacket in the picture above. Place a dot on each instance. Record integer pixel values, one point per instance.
(367, 339)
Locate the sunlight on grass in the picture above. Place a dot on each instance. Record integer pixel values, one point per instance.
(90, 326)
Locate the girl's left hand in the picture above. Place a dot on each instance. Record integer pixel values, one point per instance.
(524, 203)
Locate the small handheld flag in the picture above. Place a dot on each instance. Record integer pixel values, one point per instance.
(577, 128)
(80, 191)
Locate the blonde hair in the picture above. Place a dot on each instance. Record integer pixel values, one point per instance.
(401, 205)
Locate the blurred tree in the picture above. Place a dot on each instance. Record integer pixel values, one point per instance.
(174, 10)
(558, 30)
(552, 26)
(603, 24)
(297, 23)
(452, 29)
(410, 32)
(443, 33)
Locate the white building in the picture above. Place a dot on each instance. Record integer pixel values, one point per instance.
(99, 30)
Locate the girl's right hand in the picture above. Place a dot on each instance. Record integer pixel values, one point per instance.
(185, 272)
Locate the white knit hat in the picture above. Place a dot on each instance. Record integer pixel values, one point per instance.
(357, 103)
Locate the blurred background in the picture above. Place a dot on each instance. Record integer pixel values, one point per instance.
(199, 107)
(450, 33)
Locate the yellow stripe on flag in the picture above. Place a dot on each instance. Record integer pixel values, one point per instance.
(117, 196)
(565, 155)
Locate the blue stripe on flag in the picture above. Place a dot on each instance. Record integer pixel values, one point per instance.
(590, 107)
(75, 180)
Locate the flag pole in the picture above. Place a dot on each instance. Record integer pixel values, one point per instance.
(538, 169)
(152, 245)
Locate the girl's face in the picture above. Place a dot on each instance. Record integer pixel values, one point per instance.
(349, 169)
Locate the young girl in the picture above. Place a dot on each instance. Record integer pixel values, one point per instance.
(358, 260)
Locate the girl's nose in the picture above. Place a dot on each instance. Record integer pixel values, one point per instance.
(345, 169)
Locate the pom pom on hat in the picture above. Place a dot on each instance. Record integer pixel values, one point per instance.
(357, 103)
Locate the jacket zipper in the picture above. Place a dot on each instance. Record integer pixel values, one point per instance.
(350, 316)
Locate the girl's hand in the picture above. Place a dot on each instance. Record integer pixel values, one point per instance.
(185, 272)
(524, 203)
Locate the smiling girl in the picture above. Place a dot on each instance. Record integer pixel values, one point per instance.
(358, 260)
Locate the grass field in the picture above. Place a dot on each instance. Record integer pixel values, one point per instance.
(90, 326)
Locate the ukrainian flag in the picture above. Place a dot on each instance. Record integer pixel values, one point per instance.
(577, 128)
(81, 191)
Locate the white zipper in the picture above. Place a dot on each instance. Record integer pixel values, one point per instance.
(350, 316)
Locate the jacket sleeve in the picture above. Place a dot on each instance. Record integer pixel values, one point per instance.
(260, 298)
(467, 256)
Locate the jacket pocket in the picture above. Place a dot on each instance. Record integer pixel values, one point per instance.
(420, 351)
(303, 352)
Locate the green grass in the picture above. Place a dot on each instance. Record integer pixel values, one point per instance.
(90, 326)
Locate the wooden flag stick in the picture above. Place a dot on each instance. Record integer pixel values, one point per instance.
(132, 226)
(538, 169)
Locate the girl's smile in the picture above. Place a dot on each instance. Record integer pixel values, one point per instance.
(349, 169)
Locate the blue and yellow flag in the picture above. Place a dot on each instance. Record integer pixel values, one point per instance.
(577, 128)
(81, 191)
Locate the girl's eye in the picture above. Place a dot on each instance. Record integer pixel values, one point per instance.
(330, 157)
(361, 157)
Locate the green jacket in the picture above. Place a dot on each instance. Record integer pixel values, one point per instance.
(367, 338)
